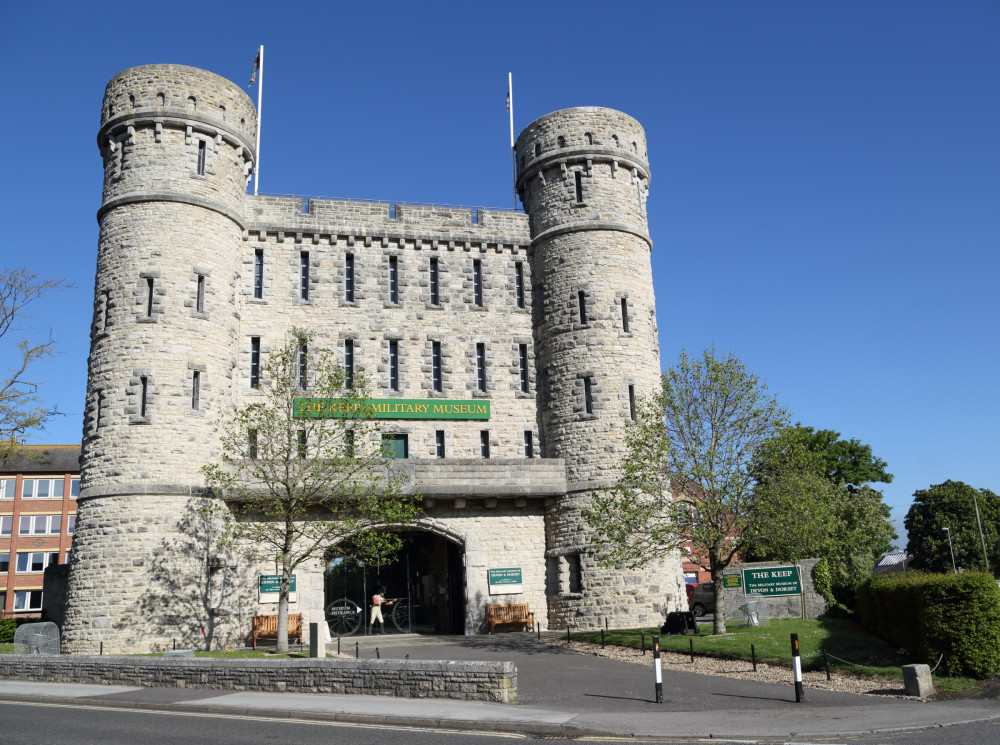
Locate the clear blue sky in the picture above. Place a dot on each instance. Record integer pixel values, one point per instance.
(825, 199)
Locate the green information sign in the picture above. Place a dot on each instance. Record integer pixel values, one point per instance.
(731, 580)
(772, 581)
(391, 408)
(271, 583)
(509, 576)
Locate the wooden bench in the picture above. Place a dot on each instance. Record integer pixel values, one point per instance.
(515, 613)
(266, 627)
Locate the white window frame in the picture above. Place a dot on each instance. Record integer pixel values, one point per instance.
(23, 598)
(34, 521)
(47, 560)
(53, 488)
(8, 487)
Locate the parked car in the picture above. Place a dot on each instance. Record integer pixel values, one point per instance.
(702, 599)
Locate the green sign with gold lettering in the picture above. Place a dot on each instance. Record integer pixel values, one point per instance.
(391, 408)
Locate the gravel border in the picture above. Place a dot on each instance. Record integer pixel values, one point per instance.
(844, 682)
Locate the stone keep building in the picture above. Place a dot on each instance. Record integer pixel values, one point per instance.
(548, 315)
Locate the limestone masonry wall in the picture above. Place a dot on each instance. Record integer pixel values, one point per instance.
(548, 315)
(471, 681)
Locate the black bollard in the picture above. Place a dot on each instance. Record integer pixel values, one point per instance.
(338, 646)
(657, 670)
(602, 638)
(797, 668)
(102, 648)
(567, 633)
(605, 622)
(378, 656)
(691, 649)
(538, 629)
(753, 657)
(826, 664)
(643, 643)
(357, 650)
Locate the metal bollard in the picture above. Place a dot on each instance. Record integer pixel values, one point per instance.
(753, 657)
(338, 646)
(657, 670)
(691, 649)
(567, 633)
(314, 641)
(378, 655)
(357, 650)
(538, 629)
(643, 643)
(102, 648)
(826, 664)
(605, 622)
(797, 668)
(175, 644)
(602, 638)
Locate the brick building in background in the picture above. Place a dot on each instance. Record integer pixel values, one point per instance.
(38, 489)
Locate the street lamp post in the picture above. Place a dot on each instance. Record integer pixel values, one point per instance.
(952, 550)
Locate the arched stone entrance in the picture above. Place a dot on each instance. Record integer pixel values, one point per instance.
(425, 582)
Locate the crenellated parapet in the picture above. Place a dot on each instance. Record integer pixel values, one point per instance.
(385, 224)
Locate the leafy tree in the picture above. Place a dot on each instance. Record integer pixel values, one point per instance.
(296, 481)
(848, 462)
(953, 505)
(687, 472)
(21, 410)
(812, 499)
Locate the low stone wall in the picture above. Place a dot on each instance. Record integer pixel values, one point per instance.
(474, 681)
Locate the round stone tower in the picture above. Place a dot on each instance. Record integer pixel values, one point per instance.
(177, 144)
(583, 178)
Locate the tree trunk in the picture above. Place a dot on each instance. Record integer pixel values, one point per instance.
(283, 592)
(716, 565)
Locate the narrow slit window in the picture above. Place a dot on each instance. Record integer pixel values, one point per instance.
(195, 389)
(588, 395)
(393, 279)
(438, 383)
(143, 394)
(435, 282)
(304, 275)
(519, 283)
(199, 297)
(522, 360)
(349, 363)
(579, 187)
(255, 362)
(394, 365)
(477, 282)
(582, 299)
(258, 274)
(303, 366)
(202, 151)
(149, 297)
(625, 315)
(349, 278)
(631, 402)
(481, 368)
(529, 447)
(439, 443)
(484, 443)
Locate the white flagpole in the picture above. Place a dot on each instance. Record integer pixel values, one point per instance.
(260, 94)
(510, 111)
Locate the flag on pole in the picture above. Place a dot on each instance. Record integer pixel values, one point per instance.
(508, 99)
(256, 67)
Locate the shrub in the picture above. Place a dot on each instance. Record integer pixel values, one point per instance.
(7, 628)
(955, 615)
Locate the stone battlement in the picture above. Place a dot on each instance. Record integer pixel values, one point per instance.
(386, 221)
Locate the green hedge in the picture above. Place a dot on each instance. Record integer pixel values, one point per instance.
(929, 615)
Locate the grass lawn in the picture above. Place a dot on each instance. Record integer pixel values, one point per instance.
(857, 650)
(840, 638)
